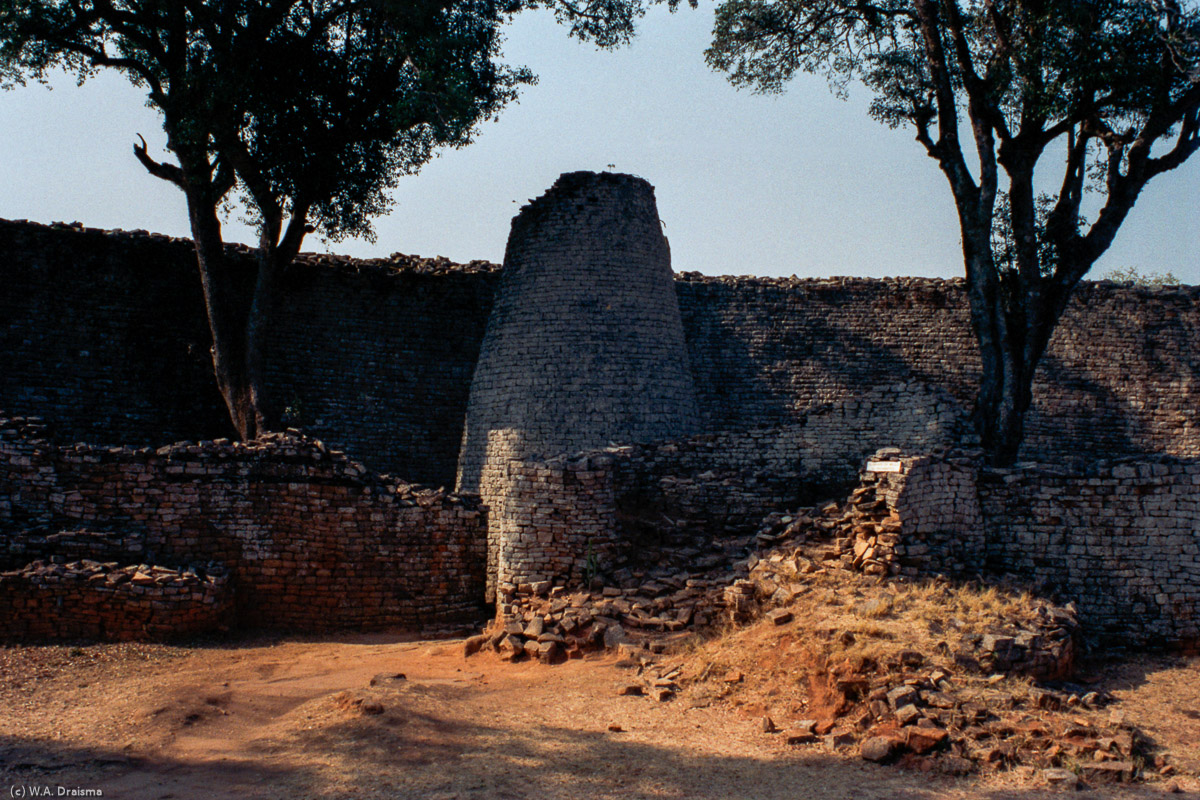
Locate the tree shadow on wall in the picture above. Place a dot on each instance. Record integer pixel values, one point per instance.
(1103, 423)
(752, 370)
(760, 358)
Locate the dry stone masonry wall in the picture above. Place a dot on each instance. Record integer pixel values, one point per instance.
(103, 334)
(583, 347)
(1120, 539)
(309, 539)
(1119, 377)
(728, 399)
(91, 600)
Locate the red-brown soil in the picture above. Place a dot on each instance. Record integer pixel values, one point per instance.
(258, 718)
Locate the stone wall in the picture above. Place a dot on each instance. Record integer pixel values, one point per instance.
(936, 499)
(1120, 539)
(1120, 376)
(310, 539)
(104, 335)
(555, 521)
(90, 600)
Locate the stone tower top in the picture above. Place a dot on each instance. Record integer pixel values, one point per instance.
(584, 345)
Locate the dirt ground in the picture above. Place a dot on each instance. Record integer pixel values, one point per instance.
(260, 718)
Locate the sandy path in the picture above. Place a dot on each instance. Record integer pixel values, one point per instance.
(286, 720)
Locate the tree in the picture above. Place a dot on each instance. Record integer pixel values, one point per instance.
(309, 110)
(1107, 89)
(1133, 276)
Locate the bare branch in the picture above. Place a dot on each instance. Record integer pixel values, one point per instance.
(167, 172)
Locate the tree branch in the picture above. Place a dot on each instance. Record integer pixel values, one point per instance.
(167, 172)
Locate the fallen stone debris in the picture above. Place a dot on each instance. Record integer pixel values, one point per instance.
(968, 702)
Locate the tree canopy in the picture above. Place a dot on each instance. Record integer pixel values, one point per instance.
(1106, 91)
(307, 110)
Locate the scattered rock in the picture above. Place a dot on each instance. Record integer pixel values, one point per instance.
(1107, 771)
(780, 616)
(908, 714)
(1060, 777)
(922, 740)
(877, 748)
(474, 644)
(839, 739)
(387, 678)
(955, 765)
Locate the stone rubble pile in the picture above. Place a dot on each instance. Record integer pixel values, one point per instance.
(927, 717)
(747, 577)
(864, 534)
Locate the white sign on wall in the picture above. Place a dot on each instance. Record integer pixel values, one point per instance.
(883, 466)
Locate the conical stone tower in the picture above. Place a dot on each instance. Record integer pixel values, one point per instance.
(584, 345)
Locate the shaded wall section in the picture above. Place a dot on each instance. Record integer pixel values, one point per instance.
(310, 540)
(104, 335)
(1122, 374)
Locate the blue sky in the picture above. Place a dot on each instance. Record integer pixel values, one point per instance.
(802, 183)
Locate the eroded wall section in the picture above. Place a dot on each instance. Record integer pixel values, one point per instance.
(309, 539)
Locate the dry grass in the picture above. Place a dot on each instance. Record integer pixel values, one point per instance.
(846, 623)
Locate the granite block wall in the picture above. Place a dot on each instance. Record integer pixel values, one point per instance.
(936, 499)
(103, 334)
(1119, 538)
(310, 539)
(555, 521)
(92, 600)
(1120, 376)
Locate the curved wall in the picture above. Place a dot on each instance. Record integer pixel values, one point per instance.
(584, 344)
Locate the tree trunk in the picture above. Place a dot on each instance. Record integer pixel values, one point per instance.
(1006, 385)
(258, 322)
(227, 316)
(1004, 399)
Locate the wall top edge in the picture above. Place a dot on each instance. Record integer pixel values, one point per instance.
(399, 265)
(396, 264)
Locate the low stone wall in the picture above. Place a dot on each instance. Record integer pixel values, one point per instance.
(555, 522)
(1120, 538)
(567, 520)
(90, 600)
(311, 540)
(21, 546)
(936, 500)
(568, 517)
